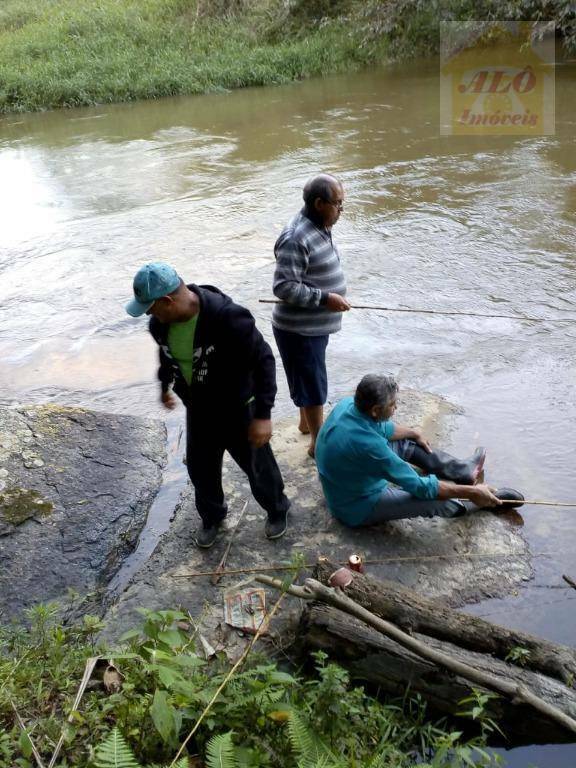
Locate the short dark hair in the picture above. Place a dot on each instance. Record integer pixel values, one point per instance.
(177, 290)
(319, 186)
(374, 390)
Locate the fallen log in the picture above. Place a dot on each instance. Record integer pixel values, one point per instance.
(381, 661)
(432, 618)
(532, 708)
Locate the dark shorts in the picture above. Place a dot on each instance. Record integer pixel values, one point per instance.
(304, 361)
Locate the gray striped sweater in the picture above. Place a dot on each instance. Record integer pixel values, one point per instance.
(307, 269)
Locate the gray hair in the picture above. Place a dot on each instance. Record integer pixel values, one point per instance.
(375, 390)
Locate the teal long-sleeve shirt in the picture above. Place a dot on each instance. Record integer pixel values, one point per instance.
(355, 463)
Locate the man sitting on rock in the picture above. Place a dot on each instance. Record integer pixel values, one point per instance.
(224, 372)
(359, 452)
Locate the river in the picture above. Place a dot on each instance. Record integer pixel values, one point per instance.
(478, 224)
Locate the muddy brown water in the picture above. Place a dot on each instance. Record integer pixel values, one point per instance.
(478, 224)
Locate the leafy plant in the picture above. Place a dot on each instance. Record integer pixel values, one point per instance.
(266, 717)
(114, 752)
(480, 702)
(411, 27)
(518, 655)
(221, 752)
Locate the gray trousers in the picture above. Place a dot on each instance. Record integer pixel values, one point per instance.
(395, 504)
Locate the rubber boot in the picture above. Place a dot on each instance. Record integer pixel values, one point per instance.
(515, 499)
(447, 467)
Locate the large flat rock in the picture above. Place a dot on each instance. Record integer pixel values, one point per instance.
(75, 489)
(430, 556)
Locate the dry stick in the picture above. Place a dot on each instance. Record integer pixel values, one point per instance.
(224, 683)
(570, 581)
(314, 590)
(439, 312)
(23, 727)
(88, 669)
(220, 570)
(378, 561)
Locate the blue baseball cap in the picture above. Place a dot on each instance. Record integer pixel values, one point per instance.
(151, 282)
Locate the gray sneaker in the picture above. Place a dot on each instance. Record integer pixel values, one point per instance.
(274, 529)
(205, 537)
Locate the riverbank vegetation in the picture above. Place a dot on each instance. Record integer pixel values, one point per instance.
(71, 52)
(138, 705)
(58, 53)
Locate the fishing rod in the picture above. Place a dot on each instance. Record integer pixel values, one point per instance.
(378, 561)
(392, 559)
(449, 313)
(521, 502)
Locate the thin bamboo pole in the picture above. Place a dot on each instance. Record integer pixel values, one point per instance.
(447, 313)
(541, 502)
(371, 561)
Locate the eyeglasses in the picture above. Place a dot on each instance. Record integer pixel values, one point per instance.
(338, 204)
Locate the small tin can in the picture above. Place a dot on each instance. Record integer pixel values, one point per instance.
(355, 563)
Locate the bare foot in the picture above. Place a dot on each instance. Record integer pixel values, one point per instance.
(303, 426)
(479, 468)
(311, 449)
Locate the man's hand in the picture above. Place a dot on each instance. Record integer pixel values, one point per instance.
(259, 432)
(420, 440)
(483, 496)
(168, 400)
(337, 303)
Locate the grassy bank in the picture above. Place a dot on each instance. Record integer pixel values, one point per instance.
(58, 53)
(138, 712)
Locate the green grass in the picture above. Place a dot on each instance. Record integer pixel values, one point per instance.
(60, 53)
(64, 53)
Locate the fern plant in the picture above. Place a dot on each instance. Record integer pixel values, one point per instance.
(310, 751)
(221, 752)
(115, 752)
(301, 739)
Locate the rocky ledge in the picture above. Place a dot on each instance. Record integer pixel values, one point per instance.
(462, 560)
(75, 490)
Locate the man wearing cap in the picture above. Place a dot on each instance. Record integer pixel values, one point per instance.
(310, 282)
(215, 359)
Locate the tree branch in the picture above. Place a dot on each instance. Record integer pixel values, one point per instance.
(314, 590)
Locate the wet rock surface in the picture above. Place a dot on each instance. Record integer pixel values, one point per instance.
(75, 489)
(418, 553)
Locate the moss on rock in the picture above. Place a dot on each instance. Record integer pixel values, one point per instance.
(20, 504)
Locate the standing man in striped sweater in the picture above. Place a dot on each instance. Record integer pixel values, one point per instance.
(310, 282)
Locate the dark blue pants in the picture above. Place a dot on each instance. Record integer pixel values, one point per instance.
(396, 504)
(304, 361)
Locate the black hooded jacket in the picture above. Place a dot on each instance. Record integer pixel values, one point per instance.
(232, 361)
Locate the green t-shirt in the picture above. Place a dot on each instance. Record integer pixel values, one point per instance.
(181, 344)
